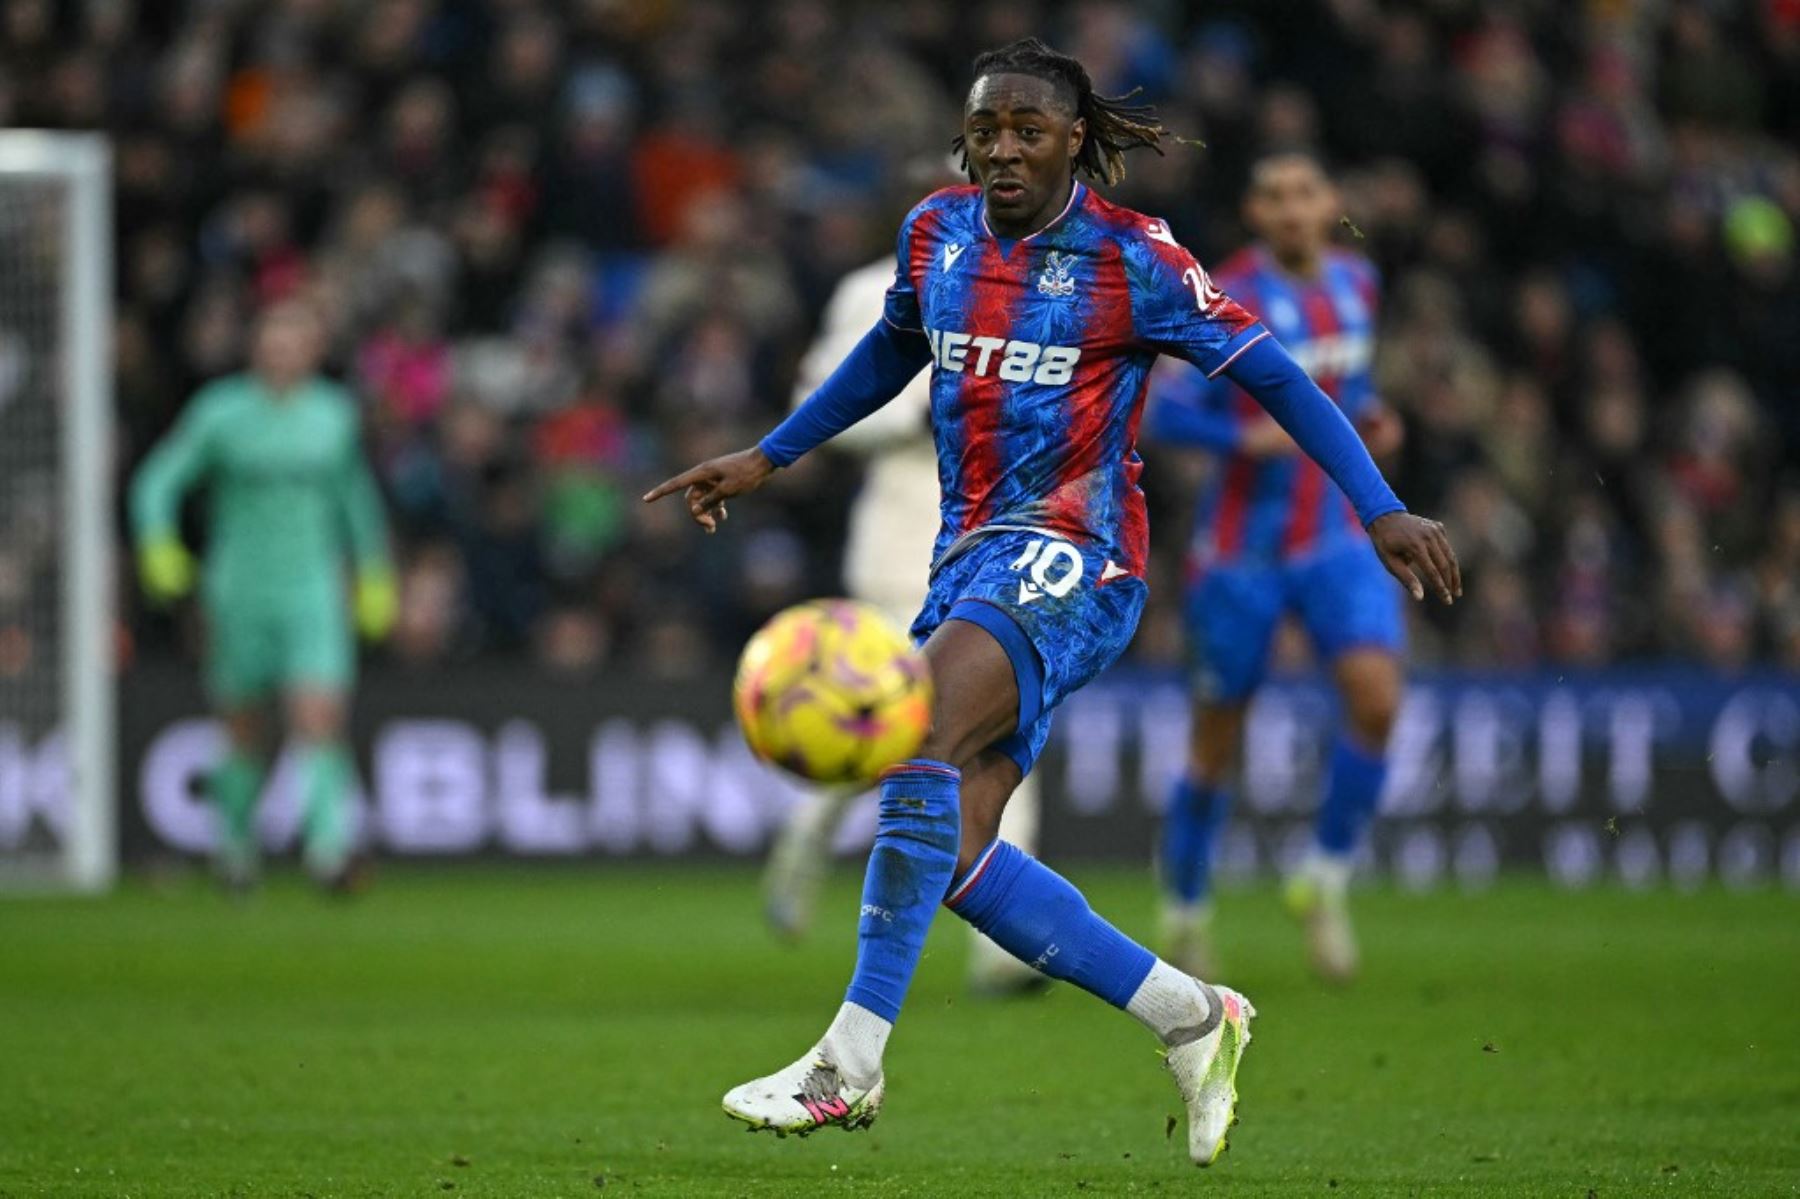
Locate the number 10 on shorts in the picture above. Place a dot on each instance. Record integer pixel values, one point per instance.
(1052, 568)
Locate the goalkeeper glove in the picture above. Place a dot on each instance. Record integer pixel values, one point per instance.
(377, 602)
(166, 569)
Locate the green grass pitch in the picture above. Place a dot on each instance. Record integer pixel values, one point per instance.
(505, 1032)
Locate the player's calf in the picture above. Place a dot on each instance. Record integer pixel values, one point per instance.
(1039, 917)
(1317, 893)
(1196, 813)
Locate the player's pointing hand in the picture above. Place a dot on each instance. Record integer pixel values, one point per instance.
(1417, 552)
(713, 482)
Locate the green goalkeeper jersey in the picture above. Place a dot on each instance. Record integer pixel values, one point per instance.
(290, 496)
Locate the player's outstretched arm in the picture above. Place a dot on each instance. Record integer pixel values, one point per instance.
(883, 362)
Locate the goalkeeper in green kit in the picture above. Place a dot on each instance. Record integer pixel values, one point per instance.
(291, 504)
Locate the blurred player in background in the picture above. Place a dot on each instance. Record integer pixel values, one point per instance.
(1040, 308)
(291, 499)
(892, 527)
(1274, 537)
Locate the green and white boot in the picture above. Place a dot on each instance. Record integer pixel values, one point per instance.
(1206, 1069)
(1317, 895)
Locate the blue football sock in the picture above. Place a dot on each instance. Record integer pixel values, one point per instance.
(1351, 796)
(1036, 915)
(909, 871)
(1196, 813)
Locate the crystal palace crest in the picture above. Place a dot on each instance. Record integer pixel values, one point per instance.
(1055, 279)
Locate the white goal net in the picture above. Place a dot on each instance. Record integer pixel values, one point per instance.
(57, 747)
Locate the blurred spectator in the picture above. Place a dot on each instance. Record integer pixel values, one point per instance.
(564, 246)
(403, 368)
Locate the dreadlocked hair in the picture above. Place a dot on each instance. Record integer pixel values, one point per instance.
(1114, 124)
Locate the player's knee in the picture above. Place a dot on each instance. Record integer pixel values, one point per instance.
(977, 698)
(316, 718)
(954, 747)
(1370, 682)
(1211, 764)
(318, 733)
(962, 733)
(1370, 713)
(954, 737)
(248, 732)
(1213, 747)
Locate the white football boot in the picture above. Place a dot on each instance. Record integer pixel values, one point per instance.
(805, 1097)
(997, 974)
(1205, 1071)
(1185, 939)
(1317, 895)
(800, 860)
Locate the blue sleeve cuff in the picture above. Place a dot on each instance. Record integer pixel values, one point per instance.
(1380, 511)
(773, 452)
(1234, 349)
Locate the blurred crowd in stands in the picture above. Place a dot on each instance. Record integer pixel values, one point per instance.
(569, 246)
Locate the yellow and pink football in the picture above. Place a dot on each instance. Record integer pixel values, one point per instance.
(833, 691)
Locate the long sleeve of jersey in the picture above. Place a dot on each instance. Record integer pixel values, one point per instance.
(364, 517)
(174, 466)
(1180, 311)
(1318, 427)
(883, 363)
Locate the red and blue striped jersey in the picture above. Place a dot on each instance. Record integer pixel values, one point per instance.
(1283, 508)
(1041, 350)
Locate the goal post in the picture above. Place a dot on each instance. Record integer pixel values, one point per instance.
(58, 798)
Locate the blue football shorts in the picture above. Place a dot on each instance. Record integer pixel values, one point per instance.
(1345, 600)
(1059, 607)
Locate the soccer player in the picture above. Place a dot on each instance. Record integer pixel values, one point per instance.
(290, 499)
(1274, 537)
(892, 526)
(1040, 308)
